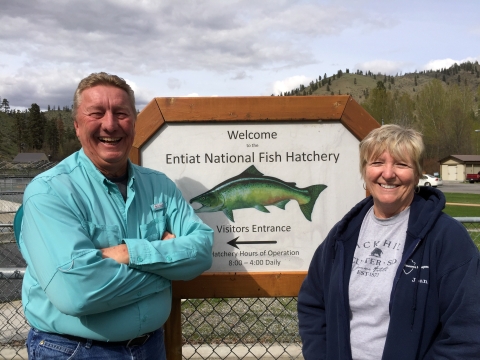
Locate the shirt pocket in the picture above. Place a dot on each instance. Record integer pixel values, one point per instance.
(154, 229)
(103, 236)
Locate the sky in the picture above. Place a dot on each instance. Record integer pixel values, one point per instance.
(170, 48)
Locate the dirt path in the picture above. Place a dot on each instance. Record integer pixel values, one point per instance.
(460, 204)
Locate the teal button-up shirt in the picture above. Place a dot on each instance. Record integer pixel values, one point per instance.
(71, 212)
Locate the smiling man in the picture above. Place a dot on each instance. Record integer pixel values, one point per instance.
(103, 239)
(105, 126)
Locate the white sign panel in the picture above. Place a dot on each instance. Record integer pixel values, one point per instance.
(270, 191)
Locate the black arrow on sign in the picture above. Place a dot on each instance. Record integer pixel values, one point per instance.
(234, 242)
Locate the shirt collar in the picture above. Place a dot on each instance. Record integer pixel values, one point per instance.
(97, 175)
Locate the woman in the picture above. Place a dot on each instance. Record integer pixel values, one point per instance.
(396, 278)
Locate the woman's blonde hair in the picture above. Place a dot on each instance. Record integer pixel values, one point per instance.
(401, 143)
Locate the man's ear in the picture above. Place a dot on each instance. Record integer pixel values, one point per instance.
(75, 125)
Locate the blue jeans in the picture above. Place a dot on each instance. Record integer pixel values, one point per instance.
(43, 345)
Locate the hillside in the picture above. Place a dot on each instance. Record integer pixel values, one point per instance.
(10, 146)
(358, 85)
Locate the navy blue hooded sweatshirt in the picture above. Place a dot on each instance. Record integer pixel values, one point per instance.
(435, 299)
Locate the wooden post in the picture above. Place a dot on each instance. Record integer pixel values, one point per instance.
(173, 331)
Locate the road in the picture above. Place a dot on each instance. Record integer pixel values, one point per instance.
(458, 187)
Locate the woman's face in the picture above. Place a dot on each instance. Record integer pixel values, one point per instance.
(392, 183)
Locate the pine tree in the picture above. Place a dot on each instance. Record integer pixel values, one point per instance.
(20, 130)
(5, 105)
(36, 127)
(51, 137)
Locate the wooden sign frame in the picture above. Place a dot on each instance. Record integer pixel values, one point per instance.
(164, 110)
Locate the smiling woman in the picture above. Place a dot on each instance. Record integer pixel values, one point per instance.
(378, 260)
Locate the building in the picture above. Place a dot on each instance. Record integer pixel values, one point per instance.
(29, 157)
(456, 167)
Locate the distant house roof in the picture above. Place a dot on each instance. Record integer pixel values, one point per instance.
(462, 158)
(29, 157)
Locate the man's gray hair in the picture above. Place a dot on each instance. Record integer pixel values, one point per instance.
(102, 78)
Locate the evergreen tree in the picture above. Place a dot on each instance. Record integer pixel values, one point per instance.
(61, 132)
(20, 130)
(5, 105)
(51, 137)
(36, 127)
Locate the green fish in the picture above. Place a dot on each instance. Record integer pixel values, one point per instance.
(251, 189)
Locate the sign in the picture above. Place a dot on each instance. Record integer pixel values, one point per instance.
(315, 144)
(270, 191)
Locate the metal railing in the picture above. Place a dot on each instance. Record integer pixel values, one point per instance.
(261, 328)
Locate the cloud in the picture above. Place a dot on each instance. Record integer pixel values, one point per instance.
(52, 86)
(174, 83)
(144, 36)
(41, 86)
(446, 63)
(289, 84)
(382, 66)
(240, 75)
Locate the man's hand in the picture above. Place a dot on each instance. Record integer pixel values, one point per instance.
(119, 253)
(167, 236)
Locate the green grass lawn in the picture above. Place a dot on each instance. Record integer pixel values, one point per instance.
(462, 211)
(463, 198)
(465, 211)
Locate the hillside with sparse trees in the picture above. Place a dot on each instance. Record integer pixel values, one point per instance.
(442, 104)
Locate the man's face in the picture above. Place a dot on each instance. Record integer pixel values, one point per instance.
(105, 126)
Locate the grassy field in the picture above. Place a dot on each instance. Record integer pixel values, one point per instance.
(462, 211)
(465, 211)
(463, 198)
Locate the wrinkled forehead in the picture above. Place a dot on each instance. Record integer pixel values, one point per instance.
(103, 96)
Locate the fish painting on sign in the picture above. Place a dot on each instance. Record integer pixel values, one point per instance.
(252, 189)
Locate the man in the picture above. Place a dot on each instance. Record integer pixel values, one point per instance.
(103, 238)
